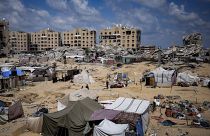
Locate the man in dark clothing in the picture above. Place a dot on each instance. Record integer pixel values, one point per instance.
(107, 84)
(87, 86)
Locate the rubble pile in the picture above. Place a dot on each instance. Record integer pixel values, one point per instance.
(59, 52)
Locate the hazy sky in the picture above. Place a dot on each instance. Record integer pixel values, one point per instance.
(163, 22)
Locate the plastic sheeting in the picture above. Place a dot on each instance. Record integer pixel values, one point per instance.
(107, 128)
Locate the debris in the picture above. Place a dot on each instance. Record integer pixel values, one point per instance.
(168, 123)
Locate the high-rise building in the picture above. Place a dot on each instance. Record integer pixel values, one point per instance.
(4, 36)
(19, 41)
(83, 38)
(127, 37)
(45, 40)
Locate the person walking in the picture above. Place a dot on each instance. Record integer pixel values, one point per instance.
(107, 84)
(87, 86)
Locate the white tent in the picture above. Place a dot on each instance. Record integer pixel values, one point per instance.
(130, 105)
(108, 128)
(187, 78)
(164, 77)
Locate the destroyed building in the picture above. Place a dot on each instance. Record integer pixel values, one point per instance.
(127, 37)
(4, 36)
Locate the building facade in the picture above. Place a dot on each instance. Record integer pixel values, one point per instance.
(4, 36)
(121, 35)
(19, 41)
(45, 40)
(80, 37)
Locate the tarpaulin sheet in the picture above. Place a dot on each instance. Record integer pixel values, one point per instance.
(104, 114)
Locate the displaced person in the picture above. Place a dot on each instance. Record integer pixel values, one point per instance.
(97, 99)
(87, 86)
(107, 84)
(153, 106)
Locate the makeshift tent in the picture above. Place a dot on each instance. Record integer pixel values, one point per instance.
(108, 128)
(162, 77)
(15, 111)
(104, 114)
(83, 78)
(70, 121)
(187, 77)
(35, 124)
(129, 105)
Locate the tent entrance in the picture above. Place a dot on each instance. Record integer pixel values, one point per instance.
(150, 81)
(62, 131)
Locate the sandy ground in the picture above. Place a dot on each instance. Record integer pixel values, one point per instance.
(47, 94)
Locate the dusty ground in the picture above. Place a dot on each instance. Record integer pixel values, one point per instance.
(47, 94)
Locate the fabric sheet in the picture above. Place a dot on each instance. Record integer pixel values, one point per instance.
(104, 114)
(108, 128)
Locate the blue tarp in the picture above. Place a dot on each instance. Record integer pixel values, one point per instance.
(124, 75)
(6, 73)
(139, 128)
(9, 72)
(19, 72)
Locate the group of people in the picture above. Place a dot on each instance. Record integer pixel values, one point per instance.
(85, 87)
